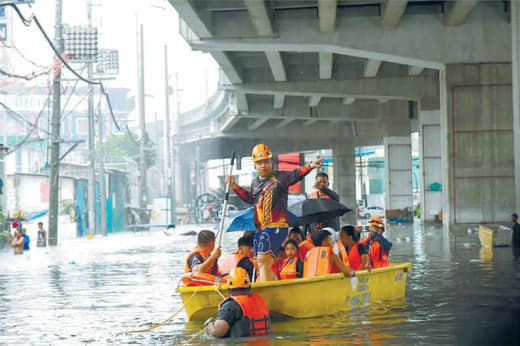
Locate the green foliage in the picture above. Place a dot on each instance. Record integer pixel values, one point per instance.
(68, 208)
(5, 239)
(117, 147)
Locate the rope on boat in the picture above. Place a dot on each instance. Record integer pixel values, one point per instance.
(157, 325)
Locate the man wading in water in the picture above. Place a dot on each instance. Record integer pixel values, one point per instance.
(269, 194)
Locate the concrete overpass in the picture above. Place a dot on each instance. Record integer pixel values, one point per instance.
(337, 74)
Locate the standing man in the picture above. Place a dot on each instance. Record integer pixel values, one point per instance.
(42, 236)
(243, 313)
(322, 191)
(515, 242)
(26, 239)
(269, 194)
(17, 243)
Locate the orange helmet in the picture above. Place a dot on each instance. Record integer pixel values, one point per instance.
(238, 278)
(376, 221)
(261, 152)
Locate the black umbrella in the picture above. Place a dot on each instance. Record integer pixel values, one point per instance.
(316, 210)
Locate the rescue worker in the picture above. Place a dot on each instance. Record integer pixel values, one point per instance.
(243, 313)
(242, 257)
(321, 260)
(203, 258)
(378, 246)
(356, 252)
(293, 265)
(269, 194)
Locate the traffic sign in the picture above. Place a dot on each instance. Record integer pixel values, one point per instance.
(3, 32)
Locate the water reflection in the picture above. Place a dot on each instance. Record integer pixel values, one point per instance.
(94, 291)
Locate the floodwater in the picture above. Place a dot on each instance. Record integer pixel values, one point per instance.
(93, 291)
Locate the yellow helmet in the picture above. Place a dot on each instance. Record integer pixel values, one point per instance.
(376, 221)
(261, 152)
(238, 278)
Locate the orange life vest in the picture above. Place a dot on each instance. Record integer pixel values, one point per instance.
(197, 250)
(354, 258)
(289, 270)
(319, 194)
(378, 257)
(304, 247)
(255, 320)
(343, 256)
(198, 278)
(317, 262)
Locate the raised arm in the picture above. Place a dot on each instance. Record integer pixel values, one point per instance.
(385, 243)
(333, 195)
(299, 173)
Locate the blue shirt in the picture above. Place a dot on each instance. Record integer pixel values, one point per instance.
(26, 241)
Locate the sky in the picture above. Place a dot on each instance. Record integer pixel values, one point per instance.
(117, 21)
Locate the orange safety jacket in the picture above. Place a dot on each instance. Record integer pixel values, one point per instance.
(354, 258)
(304, 247)
(317, 262)
(289, 270)
(255, 320)
(343, 256)
(197, 250)
(231, 261)
(378, 257)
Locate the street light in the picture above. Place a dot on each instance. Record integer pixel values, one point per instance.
(81, 43)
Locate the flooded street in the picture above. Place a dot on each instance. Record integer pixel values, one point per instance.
(93, 291)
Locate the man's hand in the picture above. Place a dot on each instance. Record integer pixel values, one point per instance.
(209, 321)
(316, 163)
(231, 180)
(216, 253)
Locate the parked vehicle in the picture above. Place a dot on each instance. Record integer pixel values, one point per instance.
(371, 211)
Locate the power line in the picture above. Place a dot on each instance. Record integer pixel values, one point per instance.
(22, 118)
(27, 77)
(12, 46)
(28, 22)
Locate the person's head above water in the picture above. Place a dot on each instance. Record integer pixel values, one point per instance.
(321, 237)
(206, 240)
(262, 158)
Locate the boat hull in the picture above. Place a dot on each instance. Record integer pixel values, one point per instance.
(308, 297)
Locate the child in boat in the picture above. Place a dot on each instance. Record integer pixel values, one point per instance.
(293, 265)
(277, 265)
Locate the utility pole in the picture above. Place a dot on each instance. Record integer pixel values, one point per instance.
(102, 180)
(91, 143)
(169, 164)
(54, 176)
(179, 191)
(142, 188)
(3, 184)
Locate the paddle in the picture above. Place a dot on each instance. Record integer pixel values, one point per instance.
(226, 198)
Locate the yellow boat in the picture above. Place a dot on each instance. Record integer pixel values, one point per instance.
(308, 297)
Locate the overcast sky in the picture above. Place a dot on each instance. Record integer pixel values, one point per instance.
(117, 21)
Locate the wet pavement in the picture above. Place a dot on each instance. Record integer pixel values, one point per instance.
(93, 291)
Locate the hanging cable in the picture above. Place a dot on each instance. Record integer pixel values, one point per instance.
(27, 77)
(21, 118)
(12, 46)
(28, 22)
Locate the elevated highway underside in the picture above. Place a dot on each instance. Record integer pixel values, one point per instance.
(313, 74)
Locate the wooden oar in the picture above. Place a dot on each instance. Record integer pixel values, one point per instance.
(224, 209)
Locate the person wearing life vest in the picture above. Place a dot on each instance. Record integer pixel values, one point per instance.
(321, 260)
(356, 252)
(242, 314)
(203, 258)
(293, 265)
(242, 257)
(278, 262)
(378, 246)
(269, 193)
(305, 246)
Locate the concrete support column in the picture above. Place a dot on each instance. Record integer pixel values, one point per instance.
(430, 163)
(398, 172)
(515, 34)
(479, 127)
(345, 178)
